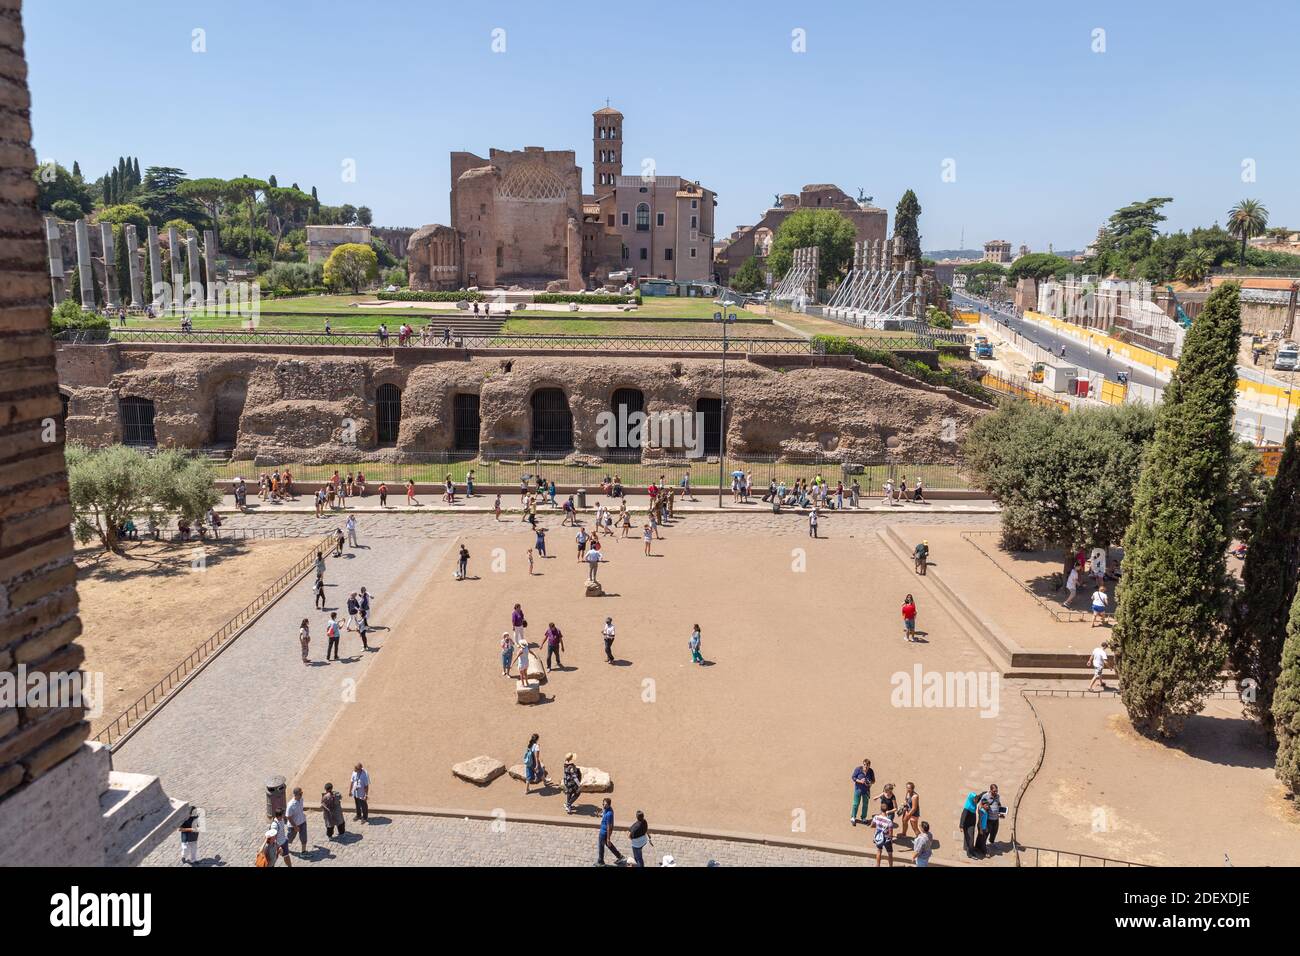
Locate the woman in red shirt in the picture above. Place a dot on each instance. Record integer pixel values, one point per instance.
(909, 619)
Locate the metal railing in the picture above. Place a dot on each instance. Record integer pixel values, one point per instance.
(459, 340)
(635, 475)
(1043, 856)
(117, 729)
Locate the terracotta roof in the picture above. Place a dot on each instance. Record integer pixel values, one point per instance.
(607, 111)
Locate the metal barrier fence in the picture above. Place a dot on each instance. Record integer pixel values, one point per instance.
(1006, 385)
(118, 728)
(1042, 856)
(634, 475)
(507, 341)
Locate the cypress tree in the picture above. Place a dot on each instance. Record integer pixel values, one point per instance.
(907, 218)
(108, 189)
(1269, 579)
(1170, 618)
(76, 169)
(1286, 706)
(135, 172)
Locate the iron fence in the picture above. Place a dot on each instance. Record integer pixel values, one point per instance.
(635, 473)
(1042, 856)
(460, 340)
(117, 729)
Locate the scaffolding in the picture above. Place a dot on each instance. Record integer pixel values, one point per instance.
(876, 293)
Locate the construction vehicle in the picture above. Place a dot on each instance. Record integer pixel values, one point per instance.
(983, 349)
(1036, 373)
(1179, 314)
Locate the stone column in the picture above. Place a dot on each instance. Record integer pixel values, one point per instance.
(177, 278)
(135, 266)
(573, 249)
(210, 262)
(85, 271)
(155, 264)
(113, 300)
(192, 297)
(54, 243)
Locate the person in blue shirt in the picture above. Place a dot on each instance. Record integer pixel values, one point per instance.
(863, 777)
(604, 840)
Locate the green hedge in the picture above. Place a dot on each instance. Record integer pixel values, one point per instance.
(595, 298)
(840, 345)
(69, 317)
(410, 295)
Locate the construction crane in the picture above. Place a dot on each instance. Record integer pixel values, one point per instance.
(1179, 314)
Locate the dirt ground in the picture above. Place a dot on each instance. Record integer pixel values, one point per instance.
(1107, 791)
(796, 690)
(144, 612)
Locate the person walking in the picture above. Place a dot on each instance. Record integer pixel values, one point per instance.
(331, 806)
(359, 787)
(909, 814)
(507, 652)
(884, 835)
(639, 835)
(304, 640)
(332, 635)
(319, 589)
(270, 850)
(694, 645)
(383, 495)
(297, 818)
(604, 840)
(593, 563)
(581, 539)
(968, 822)
(1100, 602)
(518, 622)
(282, 837)
(496, 508)
(909, 619)
(572, 781)
(607, 632)
(534, 770)
(189, 831)
(554, 644)
(410, 493)
(1071, 585)
(351, 525)
(462, 564)
(1098, 660)
(982, 827)
(922, 846)
(338, 542)
(812, 522)
(863, 777)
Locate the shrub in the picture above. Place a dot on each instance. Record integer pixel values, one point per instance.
(413, 295)
(840, 345)
(69, 317)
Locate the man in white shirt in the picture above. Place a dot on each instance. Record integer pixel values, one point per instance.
(1071, 585)
(360, 790)
(607, 632)
(593, 562)
(351, 525)
(297, 819)
(1098, 658)
(1100, 601)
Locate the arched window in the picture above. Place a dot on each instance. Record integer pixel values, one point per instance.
(552, 422)
(624, 403)
(711, 409)
(137, 421)
(388, 413)
(465, 415)
(642, 217)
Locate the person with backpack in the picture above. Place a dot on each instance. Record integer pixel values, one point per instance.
(331, 805)
(534, 771)
(921, 556)
(884, 836)
(572, 781)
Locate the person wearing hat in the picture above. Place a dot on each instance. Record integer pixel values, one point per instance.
(572, 782)
(921, 556)
(267, 854)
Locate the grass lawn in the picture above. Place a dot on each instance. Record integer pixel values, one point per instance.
(812, 325)
(616, 326)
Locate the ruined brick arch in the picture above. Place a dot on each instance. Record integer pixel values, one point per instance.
(550, 426)
(229, 395)
(137, 418)
(388, 413)
(634, 399)
(532, 181)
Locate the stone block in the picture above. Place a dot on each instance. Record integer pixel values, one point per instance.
(516, 771)
(594, 589)
(479, 770)
(595, 780)
(536, 670)
(528, 692)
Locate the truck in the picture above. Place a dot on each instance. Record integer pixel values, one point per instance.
(983, 349)
(1288, 357)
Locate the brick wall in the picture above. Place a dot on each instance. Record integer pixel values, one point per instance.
(38, 598)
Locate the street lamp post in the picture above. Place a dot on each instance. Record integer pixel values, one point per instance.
(724, 317)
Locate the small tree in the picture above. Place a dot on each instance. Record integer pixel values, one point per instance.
(109, 485)
(1172, 599)
(749, 277)
(907, 218)
(350, 266)
(829, 230)
(1286, 705)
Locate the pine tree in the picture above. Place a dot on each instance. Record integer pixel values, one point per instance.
(1269, 579)
(906, 226)
(1286, 706)
(272, 183)
(1169, 622)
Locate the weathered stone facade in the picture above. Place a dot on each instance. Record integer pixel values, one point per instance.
(321, 404)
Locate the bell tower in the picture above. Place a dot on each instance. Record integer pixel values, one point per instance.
(606, 148)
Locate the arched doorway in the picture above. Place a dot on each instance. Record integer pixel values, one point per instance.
(137, 421)
(388, 413)
(623, 404)
(227, 409)
(65, 402)
(711, 409)
(465, 415)
(552, 422)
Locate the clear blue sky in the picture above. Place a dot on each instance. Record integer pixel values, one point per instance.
(1048, 136)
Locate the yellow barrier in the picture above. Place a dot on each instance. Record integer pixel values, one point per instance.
(1000, 384)
(970, 318)
(1113, 393)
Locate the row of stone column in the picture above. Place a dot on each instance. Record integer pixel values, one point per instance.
(135, 264)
